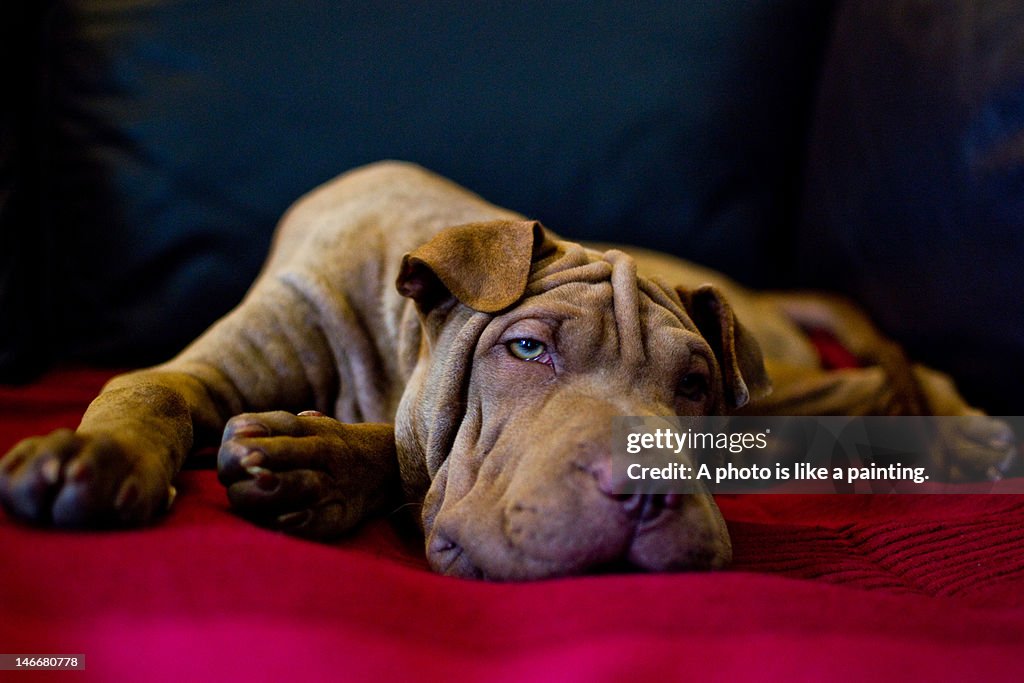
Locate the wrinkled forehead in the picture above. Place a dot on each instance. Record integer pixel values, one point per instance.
(602, 290)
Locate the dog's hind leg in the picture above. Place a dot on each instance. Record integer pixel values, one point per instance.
(886, 384)
(906, 388)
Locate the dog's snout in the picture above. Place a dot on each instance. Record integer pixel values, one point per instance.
(647, 506)
(644, 506)
(447, 556)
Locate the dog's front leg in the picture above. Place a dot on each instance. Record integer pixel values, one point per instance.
(118, 466)
(308, 474)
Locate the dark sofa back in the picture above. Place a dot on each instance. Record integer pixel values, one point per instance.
(915, 183)
(160, 141)
(151, 146)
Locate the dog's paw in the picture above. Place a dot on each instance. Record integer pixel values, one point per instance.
(977, 446)
(72, 480)
(307, 474)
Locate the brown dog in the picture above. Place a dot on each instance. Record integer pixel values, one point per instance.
(500, 360)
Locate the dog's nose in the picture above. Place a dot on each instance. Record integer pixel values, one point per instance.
(644, 506)
(647, 506)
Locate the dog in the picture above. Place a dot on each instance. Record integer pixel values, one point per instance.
(481, 388)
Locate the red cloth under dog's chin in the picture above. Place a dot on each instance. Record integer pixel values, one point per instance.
(823, 587)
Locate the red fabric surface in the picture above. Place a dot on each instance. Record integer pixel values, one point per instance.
(831, 353)
(927, 587)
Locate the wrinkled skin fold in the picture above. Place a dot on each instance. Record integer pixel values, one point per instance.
(521, 477)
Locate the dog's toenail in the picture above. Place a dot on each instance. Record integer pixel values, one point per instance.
(127, 496)
(252, 460)
(294, 519)
(251, 431)
(255, 471)
(50, 471)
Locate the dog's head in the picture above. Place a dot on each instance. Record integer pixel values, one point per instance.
(531, 346)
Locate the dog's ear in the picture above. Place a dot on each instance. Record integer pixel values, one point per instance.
(739, 355)
(483, 265)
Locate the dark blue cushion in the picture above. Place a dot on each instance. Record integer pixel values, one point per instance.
(181, 130)
(915, 186)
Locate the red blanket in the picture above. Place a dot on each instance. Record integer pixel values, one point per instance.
(927, 587)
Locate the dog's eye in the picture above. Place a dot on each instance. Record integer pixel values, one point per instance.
(694, 386)
(526, 349)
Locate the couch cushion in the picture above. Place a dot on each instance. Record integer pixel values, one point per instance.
(182, 130)
(915, 186)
